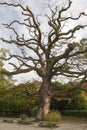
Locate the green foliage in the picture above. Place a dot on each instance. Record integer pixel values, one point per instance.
(24, 98)
(20, 99)
(23, 116)
(57, 86)
(3, 53)
(75, 113)
(6, 82)
(82, 45)
(52, 117)
(34, 110)
(63, 99)
(78, 100)
(60, 97)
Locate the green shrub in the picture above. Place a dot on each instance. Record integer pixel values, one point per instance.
(52, 117)
(34, 111)
(23, 116)
(78, 100)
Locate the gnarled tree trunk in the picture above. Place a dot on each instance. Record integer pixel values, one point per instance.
(45, 97)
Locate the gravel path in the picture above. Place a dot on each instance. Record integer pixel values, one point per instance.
(61, 126)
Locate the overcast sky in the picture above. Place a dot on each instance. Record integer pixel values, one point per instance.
(39, 7)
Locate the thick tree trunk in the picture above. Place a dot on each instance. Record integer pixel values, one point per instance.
(45, 97)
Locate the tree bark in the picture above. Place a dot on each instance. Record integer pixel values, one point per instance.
(45, 97)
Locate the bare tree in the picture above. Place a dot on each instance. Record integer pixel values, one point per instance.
(53, 53)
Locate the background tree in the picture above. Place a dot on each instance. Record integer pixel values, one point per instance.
(20, 99)
(6, 82)
(50, 54)
(68, 97)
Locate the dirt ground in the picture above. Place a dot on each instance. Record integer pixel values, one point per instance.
(61, 126)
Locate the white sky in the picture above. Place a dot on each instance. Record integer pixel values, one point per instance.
(38, 7)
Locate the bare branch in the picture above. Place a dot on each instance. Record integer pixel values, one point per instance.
(44, 60)
(72, 31)
(74, 18)
(14, 5)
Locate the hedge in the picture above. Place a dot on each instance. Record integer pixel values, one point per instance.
(10, 113)
(75, 113)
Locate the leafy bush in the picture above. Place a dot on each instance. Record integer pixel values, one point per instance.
(23, 116)
(52, 117)
(34, 111)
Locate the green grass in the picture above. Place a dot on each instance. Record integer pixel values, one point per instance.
(52, 117)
